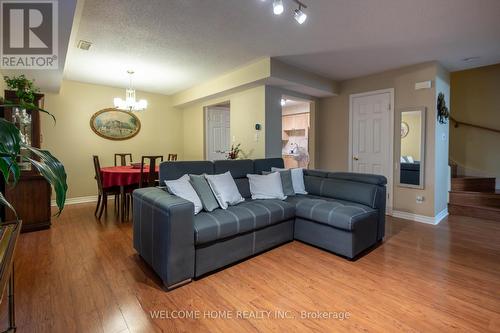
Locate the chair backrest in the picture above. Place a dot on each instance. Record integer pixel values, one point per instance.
(123, 158)
(172, 157)
(149, 176)
(97, 169)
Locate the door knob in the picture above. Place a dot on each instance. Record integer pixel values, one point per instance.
(355, 158)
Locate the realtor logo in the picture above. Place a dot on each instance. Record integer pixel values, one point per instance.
(29, 34)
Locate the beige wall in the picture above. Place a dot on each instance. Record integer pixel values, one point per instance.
(410, 144)
(74, 143)
(475, 98)
(247, 108)
(333, 127)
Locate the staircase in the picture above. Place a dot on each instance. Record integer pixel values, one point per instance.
(474, 197)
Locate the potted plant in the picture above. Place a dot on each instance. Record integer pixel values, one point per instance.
(11, 144)
(234, 152)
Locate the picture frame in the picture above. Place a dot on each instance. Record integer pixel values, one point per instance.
(114, 124)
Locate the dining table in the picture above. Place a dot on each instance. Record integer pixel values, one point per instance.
(124, 177)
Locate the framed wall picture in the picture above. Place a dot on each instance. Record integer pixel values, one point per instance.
(405, 129)
(115, 124)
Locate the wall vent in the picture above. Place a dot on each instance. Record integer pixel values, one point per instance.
(84, 45)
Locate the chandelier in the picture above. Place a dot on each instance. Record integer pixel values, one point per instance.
(130, 103)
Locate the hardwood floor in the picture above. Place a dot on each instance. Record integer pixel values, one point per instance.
(83, 275)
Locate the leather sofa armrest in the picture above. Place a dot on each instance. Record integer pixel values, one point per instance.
(163, 234)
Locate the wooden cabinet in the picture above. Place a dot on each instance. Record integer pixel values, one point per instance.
(301, 121)
(296, 121)
(31, 195)
(288, 122)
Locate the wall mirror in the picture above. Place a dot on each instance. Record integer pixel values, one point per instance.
(412, 147)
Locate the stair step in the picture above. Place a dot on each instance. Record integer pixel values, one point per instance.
(467, 198)
(473, 184)
(482, 212)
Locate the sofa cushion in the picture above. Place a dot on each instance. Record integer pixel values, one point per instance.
(297, 179)
(286, 181)
(207, 197)
(359, 177)
(266, 186)
(336, 213)
(363, 193)
(170, 170)
(225, 189)
(247, 216)
(265, 164)
(296, 199)
(183, 188)
(239, 170)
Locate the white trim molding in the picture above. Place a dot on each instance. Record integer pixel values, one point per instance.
(78, 200)
(421, 218)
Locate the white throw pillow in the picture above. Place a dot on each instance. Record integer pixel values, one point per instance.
(266, 186)
(297, 179)
(182, 188)
(225, 189)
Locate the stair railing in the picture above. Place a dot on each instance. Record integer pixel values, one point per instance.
(458, 123)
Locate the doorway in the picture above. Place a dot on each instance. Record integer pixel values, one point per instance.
(218, 131)
(296, 132)
(371, 135)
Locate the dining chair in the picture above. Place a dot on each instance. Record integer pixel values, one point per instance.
(103, 192)
(123, 158)
(172, 157)
(149, 178)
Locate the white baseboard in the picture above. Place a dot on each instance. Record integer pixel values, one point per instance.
(421, 218)
(77, 200)
(441, 216)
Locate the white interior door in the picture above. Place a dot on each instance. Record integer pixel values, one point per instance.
(372, 135)
(218, 133)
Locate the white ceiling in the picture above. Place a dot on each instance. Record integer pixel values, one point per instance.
(173, 45)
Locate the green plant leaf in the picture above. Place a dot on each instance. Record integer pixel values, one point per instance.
(47, 112)
(53, 171)
(4, 202)
(5, 168)
(8, 166)
(10, 147)
(10, 139)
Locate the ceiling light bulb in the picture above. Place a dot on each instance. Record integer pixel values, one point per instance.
(300, 16)
(278, 8)
(283, 102)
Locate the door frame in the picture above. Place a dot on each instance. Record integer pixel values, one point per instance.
(311, 139)
(390, 182)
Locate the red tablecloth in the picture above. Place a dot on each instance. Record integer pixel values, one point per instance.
(121, 176)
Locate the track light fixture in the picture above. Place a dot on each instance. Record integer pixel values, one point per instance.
(298, 14)
(278, 7)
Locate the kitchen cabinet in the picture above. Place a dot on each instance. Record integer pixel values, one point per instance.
(301, 121)
(295, 122)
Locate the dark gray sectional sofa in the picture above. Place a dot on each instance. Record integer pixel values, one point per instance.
(343, 213)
